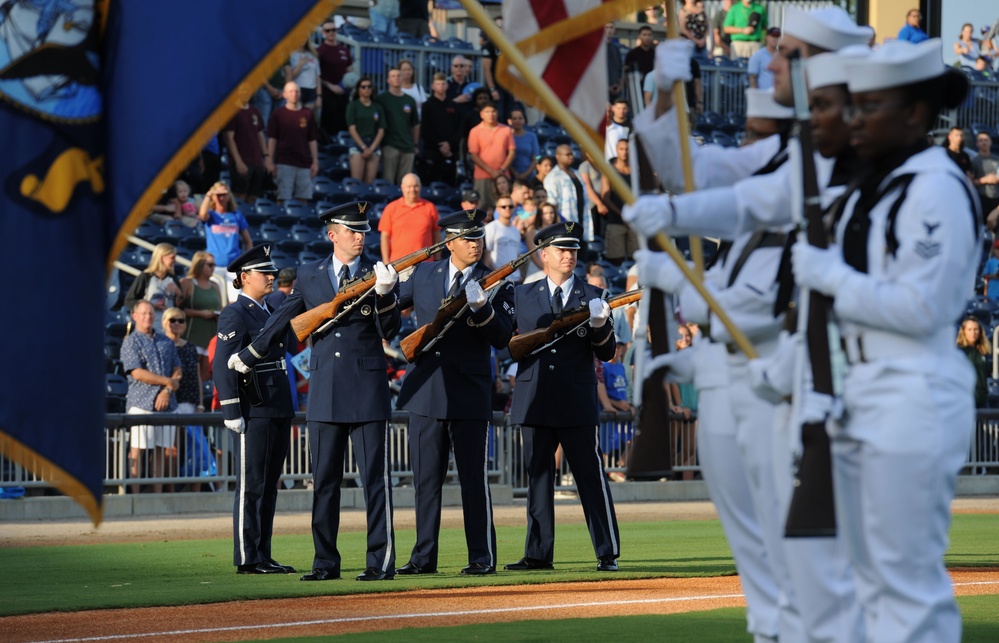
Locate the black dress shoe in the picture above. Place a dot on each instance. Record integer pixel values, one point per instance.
(266, 567)
(478, 569)
(372, 573)
(288, 569)
(322, 574)
(412, 569)
(527, 563)
(607, 564)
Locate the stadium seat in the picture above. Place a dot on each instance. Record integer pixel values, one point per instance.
(266, 207)
(319, 246)
(307, 256)
(302, 233)
(148, 230)
(283, 259)
(271, 232)
(290, 246)
(296, 209)
(350, 185)
(116, 385)
(177, 229)
(287, 220)
(721, 138)
(318, 208)
(323, 185)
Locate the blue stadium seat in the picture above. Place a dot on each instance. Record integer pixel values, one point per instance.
(271, 232)
(267, 207)
(318, 207)
(283, 259)
(175, 228)
(721, 138)
(306, 256)
(323, 185)
(350, 185)
(319, 246)
(285, 221)
(296, 209)
(148, 229)
(302, 233)
(194, 242)
(290, 246)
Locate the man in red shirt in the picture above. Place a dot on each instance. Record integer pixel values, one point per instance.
(491, 148)
(409, 223)
(244, 138)
(334, 61)
(292, 151)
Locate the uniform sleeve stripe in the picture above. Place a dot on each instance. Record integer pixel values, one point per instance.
(255, 353)
(234, 400)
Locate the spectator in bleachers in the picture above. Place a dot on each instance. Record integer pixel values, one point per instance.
(722, 41)
(565, 189)
(202, 303)
(615, 66)
(620, 241)
(518, 192)
(985, 170)
(244, 138)
(303, 70)
(501, 185)
(189, 392)
(693, 23)
(457, 83)
(955, 150)
(292, 147)
(334, 61)
(490, 55)
(592, 178)
(968, 49)
(972, 341)
(157, 284)
(612, 393)
(178, 207)
(409, 223)
(480, 96)
(643, 57)
(227, 233)
(402, 129)
(441, 135)
(502, 239)
(527, 146)
(491, 148)
(470, 200)
(546, 216)
(414, 18)
(409, 85)
(367, 129)
(269, 95)
(526, 214)
(542, 166)
(383, 14)
(746, 22)
(911, 31)
(694, 89)
(990, 273)
(758, 71)
(154, 372)
(618, 126)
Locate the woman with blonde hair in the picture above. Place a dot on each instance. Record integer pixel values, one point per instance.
(157, 284)
(972, 341)
(203, 300)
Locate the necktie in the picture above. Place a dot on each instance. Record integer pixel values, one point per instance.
(344, 276)
(455, 286)
(557, 301)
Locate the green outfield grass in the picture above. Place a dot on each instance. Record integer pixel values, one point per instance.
(69, 578)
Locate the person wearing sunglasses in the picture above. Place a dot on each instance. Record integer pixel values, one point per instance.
(366, 124)
(189, 393)
(203, 301)
(335, 60)
(227, 233)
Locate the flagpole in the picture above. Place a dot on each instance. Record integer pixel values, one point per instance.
(683, 129)
(555, 107)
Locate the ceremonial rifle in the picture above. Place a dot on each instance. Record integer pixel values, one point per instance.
(651, 452)
(539, 339)
(308, 322)
(453, 309)
(812, 512)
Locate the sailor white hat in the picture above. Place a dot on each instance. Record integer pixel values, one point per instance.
(760, 103)
(830, 28)
(896, 64)
(826, 70)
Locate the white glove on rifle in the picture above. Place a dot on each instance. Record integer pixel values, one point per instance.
(819, 407)
(673, 63)
(599, 313)
(475, 295)
(657, 270)
(237, 425)
(649, 214)
(819, 269)
(385, 278)
(237, 364)
(680, 365)
(772, 377)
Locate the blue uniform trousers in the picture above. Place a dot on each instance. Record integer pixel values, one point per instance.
(260, 454)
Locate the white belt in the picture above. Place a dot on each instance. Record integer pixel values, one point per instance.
(875, 345)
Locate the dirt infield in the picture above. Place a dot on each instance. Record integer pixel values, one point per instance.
(323, 616)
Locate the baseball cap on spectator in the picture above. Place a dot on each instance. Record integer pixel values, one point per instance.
(829, 28)
(471, 196)
(774, 31)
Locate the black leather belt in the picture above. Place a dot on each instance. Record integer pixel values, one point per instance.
(267, 367)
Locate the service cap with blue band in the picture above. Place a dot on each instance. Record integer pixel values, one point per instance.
(256, 259)
(462, 220)
(353, 216)
(565, 235)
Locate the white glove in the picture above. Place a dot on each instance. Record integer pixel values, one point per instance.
(772, 377)
(819, 407)
(819, 269)
(657, 270)
(237, 364)
(475, 295)
(599, 313)
(385, 278)
(681, 367)
(673, 62)
(237, 425)
(759, 381)
(649, 214)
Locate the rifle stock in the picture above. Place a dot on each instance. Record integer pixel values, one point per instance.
(305, 324)
(812, 512)
(415, 342)
(522, 345)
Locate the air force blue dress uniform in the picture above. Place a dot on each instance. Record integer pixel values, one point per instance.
(260, 451)
(448, 393)
(348, 398)
(555, 401)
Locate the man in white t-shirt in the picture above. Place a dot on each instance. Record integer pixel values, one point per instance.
(503, 238)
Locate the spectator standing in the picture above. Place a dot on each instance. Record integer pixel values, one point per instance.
(758, 69)
(985, 169)
(615, 66)
(402, 129)
(620, 241)
(367, 129)
(975, 345)
(244, 138)
(693, 23)
(722, 41)
(746, 23)
(303, 70)
(955, 150)
(153, 368)
(592, 182)
(189, 393)
(157, 284)
(292, 148)
(911, 31)
(334, 61)
(410, 87)
(542, 166)
(565, 189)
(227, 233)
(526, 143)
(441, 133)
(546, 216)
(457, 83)
(490, 56)
(643, 57)
(269, 96)
(618, 127)
(503, 239)
(409, 223)
(414, 18)
(383, 14)
(990, 273)
(968, 49)
(203, 302)
(491, 148)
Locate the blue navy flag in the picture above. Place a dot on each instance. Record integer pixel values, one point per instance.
(102, 104)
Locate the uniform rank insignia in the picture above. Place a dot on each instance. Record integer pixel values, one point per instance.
(928, 249)
(224, 337)
(508, 307)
